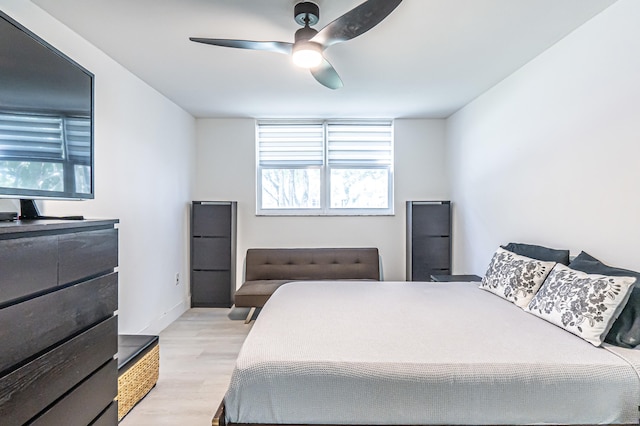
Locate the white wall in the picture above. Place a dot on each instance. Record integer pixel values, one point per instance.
(551, 155)
(226, 171)
(144, 155)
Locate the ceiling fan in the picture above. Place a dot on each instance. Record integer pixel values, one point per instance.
(310, 43)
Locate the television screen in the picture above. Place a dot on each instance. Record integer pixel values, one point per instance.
(46, 119)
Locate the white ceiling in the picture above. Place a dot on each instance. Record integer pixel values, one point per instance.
(427, 59)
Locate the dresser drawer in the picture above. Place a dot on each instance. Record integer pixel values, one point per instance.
(87, 254)
(25, 392)
(108, 417)
(79, 407)
(46, 320)
(29, 265)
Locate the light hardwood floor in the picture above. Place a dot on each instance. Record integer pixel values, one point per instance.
(197, 355)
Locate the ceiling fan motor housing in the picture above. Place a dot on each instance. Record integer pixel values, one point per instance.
(305, 33)
(306, 13)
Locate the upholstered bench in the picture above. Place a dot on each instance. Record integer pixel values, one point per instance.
(268, 269)
(138, 369)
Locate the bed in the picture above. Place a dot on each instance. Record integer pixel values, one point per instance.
(418, 353)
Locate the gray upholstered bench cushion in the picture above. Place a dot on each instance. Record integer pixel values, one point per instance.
(268, 269)
(256, 293)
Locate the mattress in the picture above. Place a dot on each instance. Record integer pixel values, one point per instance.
(421, 353)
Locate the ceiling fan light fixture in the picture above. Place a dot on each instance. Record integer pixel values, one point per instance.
(307, 54)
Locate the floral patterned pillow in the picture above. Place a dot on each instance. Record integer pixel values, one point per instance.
(583, 304)
(514, 277)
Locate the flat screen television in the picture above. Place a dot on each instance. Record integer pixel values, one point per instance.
(46, 121)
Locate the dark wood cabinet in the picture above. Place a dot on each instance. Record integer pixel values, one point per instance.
(428, 239)
(58, 331)
(213, 253)
(455, 278)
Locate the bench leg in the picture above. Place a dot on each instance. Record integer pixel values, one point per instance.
(248, 319)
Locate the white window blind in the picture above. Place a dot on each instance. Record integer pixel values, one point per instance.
(369, 144)
(78, 138)
(287, 145)
(49, 138)
(31, 136)
(45, 152)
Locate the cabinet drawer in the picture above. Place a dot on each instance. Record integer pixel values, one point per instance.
(430, 255)
(51, 318)
(211, 289)
(432, 251)
(211, 220)
(431, 219)
(211, 253)
(31, 388)
(81, 406)
(29, 265)
(424, 273)
(87, 254)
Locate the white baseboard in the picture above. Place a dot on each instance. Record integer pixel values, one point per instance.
(167, 318)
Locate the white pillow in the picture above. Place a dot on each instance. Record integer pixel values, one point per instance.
(514, 277)
(583, 304)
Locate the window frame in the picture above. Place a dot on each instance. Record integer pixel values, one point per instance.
(325, 168)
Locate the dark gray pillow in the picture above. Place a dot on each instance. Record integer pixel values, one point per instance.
(625, 331)
(539, 252)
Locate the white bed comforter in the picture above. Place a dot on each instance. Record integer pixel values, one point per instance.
(421, 353)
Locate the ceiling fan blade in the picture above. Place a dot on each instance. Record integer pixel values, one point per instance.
(327, 75)
(270, 46)
(357, 21)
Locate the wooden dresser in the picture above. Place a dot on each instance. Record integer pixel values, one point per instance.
(58, 330)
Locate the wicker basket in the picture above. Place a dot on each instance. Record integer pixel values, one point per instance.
(137, 381)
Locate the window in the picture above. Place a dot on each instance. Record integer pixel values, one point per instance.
(324, 168)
